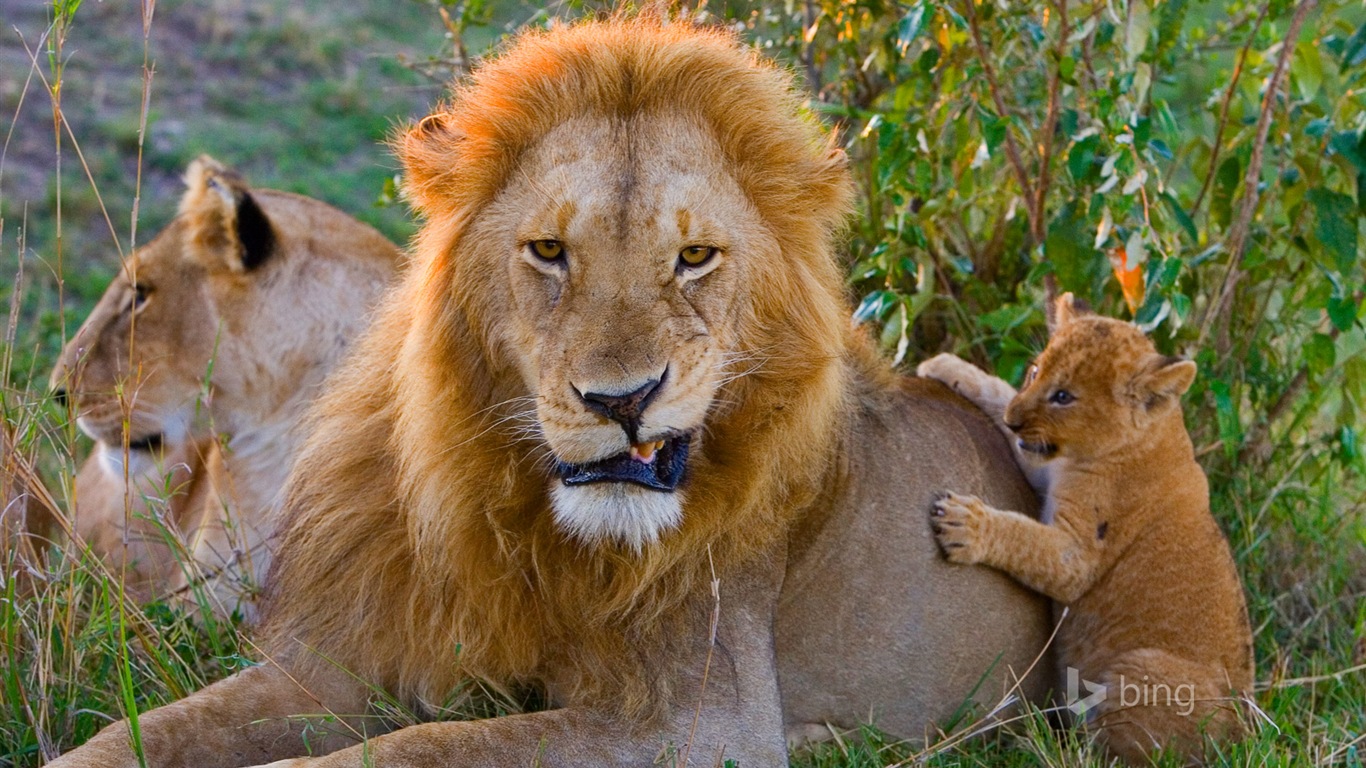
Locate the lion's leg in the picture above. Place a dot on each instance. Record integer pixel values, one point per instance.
(255, 716)
(565, 737)
(1051, 559)
(729, 690)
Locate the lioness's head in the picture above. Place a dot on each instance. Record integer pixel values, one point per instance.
(1096, 388)
(633, 221)
(240, 299)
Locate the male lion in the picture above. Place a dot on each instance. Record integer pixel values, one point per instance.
(614, 441)
(244, 302)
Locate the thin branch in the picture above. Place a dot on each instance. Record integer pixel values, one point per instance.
(813, 73)
(1050, 123)
(1223, 110)
(1237, 240)
(1045, 142)
(1012, 152)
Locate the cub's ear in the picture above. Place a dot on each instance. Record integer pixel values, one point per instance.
(1064, 310)
(226, 230)
(1162, 378)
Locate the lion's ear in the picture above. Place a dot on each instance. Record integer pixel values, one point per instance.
(429, 150)
(1162, 378)
(226, 228)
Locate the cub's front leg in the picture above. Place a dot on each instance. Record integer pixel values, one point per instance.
(980, 388)
(992, 395)
(1051, 559)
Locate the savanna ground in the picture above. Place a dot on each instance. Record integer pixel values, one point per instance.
(1198, 167)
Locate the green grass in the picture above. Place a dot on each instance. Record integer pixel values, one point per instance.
(323, 80)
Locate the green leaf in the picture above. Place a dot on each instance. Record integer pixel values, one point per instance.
(1225, 182)
(993, 129)
(1169, 22)
(1347, 437)
(1068, 246)
(1355, 51)
(1343, 312)
(1335, 225)
(1136, 31)
(1230, 430)
(874, 306)
(1319, 353)
(909, 28)
(1348, 144)
(1081, 159)
(1179, 213)
(1306, 70)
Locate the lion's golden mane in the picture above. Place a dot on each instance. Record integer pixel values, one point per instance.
(419, 548)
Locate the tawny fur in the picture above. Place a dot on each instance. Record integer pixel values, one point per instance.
(1153, 595)
(251, 335)
(26, 525)
(423, 543)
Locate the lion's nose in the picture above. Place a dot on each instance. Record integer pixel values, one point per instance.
(625, 409)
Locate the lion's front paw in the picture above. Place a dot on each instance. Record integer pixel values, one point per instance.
(949, 369)
(959, 523)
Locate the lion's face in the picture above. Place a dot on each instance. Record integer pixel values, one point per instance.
(627, 250)
(1098, 387)
(144, 352)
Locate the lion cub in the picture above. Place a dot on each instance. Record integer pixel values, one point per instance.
(1156, 616)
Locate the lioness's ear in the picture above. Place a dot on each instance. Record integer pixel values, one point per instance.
(1162, 377)
(227, 230)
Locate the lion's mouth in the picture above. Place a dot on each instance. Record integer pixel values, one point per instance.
(658, 465)
(1038, 449)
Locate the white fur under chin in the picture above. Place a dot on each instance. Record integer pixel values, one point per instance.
(618, 512)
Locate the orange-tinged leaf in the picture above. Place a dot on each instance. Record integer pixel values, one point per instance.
(1130, 280)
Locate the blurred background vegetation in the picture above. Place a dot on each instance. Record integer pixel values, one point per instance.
(1198, 167)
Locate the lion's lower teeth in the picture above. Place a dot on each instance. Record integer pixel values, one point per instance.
(645, 452)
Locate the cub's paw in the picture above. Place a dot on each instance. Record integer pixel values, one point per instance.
(959, 524)
(952, 370)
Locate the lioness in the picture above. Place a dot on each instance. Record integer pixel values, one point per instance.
(224, 324)
(1156, 609)
(614, 440)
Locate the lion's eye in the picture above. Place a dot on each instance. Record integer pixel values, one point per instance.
(1061, 397)
(1031, 375)
(547, 250)
(697, 255)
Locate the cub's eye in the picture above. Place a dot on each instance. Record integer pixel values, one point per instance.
(1031, 375)
(697, 255)
(1061, 397)
(547, 250)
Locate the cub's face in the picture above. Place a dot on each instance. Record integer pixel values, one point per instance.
(626, 252)
(1099, 387)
